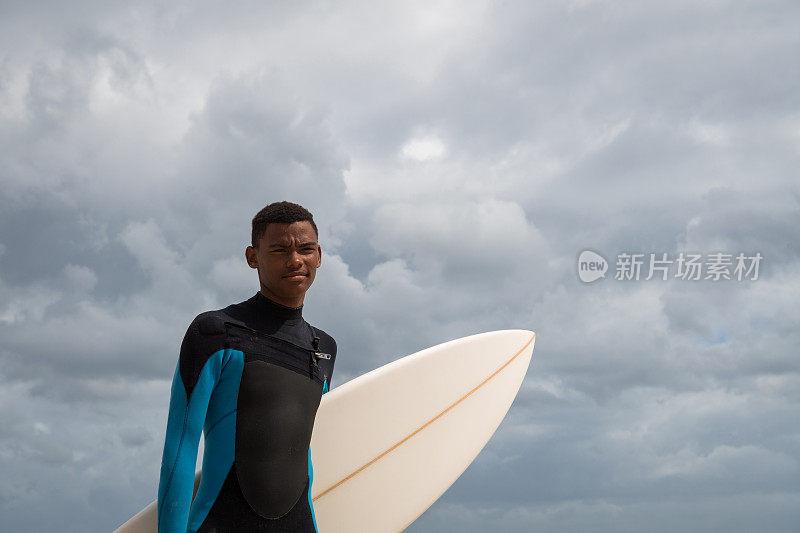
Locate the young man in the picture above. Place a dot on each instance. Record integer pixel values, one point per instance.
(250, 377)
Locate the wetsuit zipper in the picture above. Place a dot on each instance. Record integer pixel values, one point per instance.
(293, 363)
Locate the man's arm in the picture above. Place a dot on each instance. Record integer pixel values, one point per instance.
(199, 368)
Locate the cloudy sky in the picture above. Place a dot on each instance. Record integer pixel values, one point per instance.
(458, 157)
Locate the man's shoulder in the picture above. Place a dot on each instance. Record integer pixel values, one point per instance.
(210, 322)
(213, 322)
(205, 334)
(204, 337)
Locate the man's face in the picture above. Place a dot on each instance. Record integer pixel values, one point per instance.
(287, 259)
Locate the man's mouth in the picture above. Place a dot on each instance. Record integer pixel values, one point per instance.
(295, 275)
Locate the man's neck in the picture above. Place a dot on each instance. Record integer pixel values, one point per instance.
(276, 309)
(292, 304)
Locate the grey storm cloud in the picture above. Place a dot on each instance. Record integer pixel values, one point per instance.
(457, 159)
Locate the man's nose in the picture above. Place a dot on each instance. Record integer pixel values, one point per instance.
(294, 259)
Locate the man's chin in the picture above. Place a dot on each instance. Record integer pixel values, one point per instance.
(293, 291)
(296, 286)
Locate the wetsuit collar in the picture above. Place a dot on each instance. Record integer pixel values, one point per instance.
(276, 309)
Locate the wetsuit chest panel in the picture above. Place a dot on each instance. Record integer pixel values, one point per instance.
(276, 407)
(273, 350)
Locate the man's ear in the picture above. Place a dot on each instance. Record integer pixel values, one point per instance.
(252, 256)
(319, 261)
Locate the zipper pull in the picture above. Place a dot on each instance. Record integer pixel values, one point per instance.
(317, 354)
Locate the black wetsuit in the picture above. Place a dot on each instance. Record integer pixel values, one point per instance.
(250, 377)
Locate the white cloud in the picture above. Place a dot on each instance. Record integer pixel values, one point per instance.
(423, 149)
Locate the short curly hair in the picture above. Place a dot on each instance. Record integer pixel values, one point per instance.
(280, 213)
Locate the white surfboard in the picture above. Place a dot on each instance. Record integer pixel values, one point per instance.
(388, 444)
